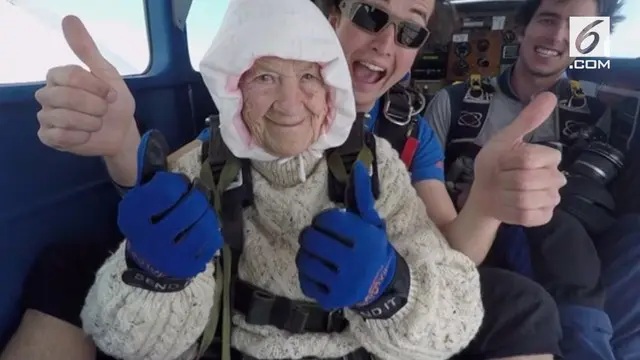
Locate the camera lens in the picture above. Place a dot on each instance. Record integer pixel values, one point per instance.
(600, 162)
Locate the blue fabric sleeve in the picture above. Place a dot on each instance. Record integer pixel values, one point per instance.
(428, 161)
(204, 135)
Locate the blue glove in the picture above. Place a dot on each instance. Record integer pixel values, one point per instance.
(171, 229)
(345, 258)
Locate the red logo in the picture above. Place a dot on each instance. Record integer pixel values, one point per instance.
(374, 289)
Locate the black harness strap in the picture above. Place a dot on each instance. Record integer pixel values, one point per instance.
(262, 308)
(470, 103)
(397, 121)
(231, 200)
(577, 112)
(341, 159)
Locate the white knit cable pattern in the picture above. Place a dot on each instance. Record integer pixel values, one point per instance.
(135, 324)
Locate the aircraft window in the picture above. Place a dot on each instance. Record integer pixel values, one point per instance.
(203, 23)
(624, 38)
(31, 39)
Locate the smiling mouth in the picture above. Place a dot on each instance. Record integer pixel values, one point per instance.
(285, 125)
(366, 72)
(546, 52)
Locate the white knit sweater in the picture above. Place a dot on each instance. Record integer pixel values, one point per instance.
(443, 314)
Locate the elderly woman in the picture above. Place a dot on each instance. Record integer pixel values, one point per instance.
(282, 86)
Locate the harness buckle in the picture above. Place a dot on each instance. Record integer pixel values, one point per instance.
(297, 319)
(334, 320)
(578, 98)
(576, 89)
(475, 86)
(395, 118)
(261, 305)
(402, 116)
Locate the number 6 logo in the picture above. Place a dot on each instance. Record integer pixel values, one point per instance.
(589, 36)
(584, 35)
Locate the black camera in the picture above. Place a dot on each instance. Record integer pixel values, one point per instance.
(592, 157)
(598, 161)
(589, 164)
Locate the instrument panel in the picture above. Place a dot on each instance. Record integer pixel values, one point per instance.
(474, 52)
(478, 43)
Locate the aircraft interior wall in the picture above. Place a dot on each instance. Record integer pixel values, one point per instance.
(465, 42)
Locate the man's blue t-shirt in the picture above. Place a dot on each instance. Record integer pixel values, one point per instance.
(428, 160)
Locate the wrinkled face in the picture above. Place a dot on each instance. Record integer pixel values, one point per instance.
(375, 60)
(544, 47)
(284, 104)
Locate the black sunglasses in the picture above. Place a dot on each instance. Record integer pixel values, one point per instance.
(373, 20)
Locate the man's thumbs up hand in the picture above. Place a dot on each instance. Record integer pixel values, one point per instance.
(88, 113)
(83, 46)
(529, 119)
(516, 182)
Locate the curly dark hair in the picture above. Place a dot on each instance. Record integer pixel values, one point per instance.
(610, 8)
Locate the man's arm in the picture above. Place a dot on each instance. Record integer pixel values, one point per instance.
(44, 337)
(122, 167)
(469, 232)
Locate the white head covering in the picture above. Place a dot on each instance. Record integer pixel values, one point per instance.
(288, 29)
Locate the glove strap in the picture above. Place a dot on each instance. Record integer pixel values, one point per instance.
(394, 298)
(138, 277)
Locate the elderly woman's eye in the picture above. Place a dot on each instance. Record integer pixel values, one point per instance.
(309, 76)
(267, 78)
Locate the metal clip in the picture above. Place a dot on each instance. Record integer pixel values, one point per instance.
(394, 118)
